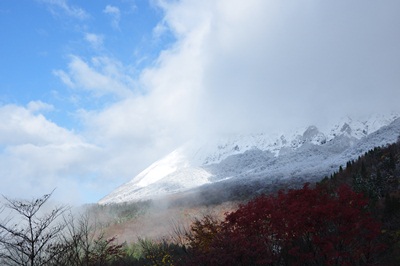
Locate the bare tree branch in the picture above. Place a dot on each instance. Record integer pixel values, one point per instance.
(29, 241)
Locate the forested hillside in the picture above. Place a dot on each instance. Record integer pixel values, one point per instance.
(376, 174)
(349, 218)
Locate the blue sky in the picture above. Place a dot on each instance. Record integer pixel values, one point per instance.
(41, 36)
(40, 39)
(92, 92)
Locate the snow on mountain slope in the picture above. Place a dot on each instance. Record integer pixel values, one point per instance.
(306, 152)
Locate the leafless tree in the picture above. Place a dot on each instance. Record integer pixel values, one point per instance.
(81, 244)
(29, 237)
(76, 241)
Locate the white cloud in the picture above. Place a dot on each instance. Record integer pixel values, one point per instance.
(62, 5)
(102, 76)
(26, 125)
(36, 155)
(159, 30)
(65, 78)
(240, 66)
(35, 106)
(115, 14)
(109, 9)
(95, 40)
(236, 66)
(273, 64)
(141, 127)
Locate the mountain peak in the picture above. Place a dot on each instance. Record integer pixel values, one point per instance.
(309, 152)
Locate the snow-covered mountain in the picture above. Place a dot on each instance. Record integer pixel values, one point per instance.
(307, 153)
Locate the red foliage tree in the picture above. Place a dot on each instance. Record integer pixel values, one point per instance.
(300, 227)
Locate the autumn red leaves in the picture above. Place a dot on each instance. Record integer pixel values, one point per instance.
(309, 226)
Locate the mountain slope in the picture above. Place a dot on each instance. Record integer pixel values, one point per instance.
(308, 153)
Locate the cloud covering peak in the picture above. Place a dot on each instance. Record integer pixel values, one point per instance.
(230, 67)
